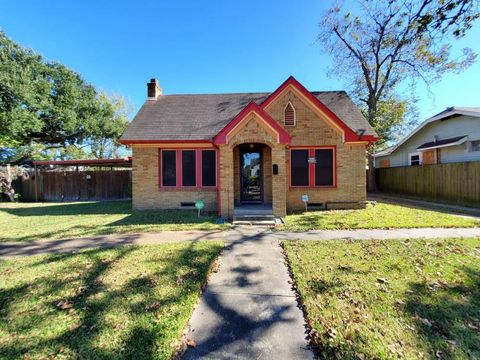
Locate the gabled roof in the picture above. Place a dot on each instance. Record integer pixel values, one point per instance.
(282, 136)
(200, 117)
(448, 113)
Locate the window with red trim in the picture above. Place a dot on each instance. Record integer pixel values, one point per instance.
(324, 167)
(188, 168)
(299, 167)
(169, 168)
(312, 167)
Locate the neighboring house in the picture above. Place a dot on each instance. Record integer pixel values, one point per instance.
(203, 147)
(453, 135)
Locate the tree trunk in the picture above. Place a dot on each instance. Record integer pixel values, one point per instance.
(7, 184)
(371, 182)
(372, 111)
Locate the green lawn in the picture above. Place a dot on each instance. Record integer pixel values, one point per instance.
(379, 216)
(131, 302)
(389, 299)
(35, 221)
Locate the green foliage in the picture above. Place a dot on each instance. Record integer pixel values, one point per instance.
(45, 104)
(390, 42)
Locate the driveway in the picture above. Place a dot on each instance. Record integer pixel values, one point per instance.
(248, 309)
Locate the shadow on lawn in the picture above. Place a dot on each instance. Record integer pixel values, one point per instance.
(94, 304)
(67, 209)
(448, 315)
(132, 220)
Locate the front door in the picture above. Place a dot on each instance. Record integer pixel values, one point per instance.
(251, 175)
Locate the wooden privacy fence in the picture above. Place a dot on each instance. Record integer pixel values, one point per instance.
(76, 185)
(455, 182)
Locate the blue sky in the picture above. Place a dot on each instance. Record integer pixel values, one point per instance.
(199, 46)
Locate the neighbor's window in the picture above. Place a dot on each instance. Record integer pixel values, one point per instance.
(188, 168)
(324, 167)
(169, 167)
(289, 115)
(475, 145)
(415, 159)
(208, 168)
(299, 167)
(313, 167)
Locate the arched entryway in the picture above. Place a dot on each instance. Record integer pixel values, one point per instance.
(252, 174)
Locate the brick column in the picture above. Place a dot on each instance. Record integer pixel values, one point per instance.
(226, 179)
(279, 182)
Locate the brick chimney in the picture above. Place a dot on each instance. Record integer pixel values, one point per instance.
(153, 90)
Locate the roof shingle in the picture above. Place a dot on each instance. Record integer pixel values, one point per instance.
(201, 117)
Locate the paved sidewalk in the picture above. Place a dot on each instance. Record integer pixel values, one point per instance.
(248, 309)
(431, 233)
(10, 249)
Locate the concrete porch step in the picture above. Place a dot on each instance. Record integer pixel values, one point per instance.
(252, 211)
(269, 223)
(260, 220)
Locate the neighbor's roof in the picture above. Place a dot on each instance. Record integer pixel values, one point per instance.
(201, 117)
(443, 143)
(448, 113)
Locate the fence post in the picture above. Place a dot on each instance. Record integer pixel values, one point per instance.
(36, 183)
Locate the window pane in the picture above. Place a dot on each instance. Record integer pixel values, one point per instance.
(414, 159)
(169, 168)
(299, 167)
(208, 168)
(324, 167)
(188, 168)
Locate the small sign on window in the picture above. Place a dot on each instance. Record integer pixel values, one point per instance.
(312, 160)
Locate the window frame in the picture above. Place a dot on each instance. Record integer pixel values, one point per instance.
(294, 115)
(160, 168)
(311, 167)
(179, 168)
(473, 145)
(419, 154)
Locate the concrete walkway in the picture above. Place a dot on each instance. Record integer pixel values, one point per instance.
(248, 309)
(11, 249)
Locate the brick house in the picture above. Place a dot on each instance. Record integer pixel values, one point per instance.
(249, 148)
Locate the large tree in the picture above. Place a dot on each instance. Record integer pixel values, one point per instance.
(388, 43)
(46, 106)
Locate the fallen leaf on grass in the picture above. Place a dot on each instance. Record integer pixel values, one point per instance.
(64, 305)
(191, 343)
(153, 306)
(332, 333)
(425, 321)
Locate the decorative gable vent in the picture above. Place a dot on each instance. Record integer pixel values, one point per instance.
(289, 115)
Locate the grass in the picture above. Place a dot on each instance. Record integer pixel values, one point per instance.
(390, 299)
(130, 302)
(379, 216)
(36, 221)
